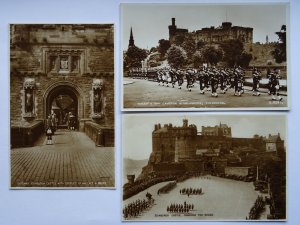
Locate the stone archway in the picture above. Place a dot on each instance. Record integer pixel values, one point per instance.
(63, 97)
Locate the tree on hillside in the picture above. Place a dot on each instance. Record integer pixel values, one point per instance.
(197, 59)
(200, 45)
(233, 49)
(189, 46)
(134, 56)
(163, 46)
(176, 56)
(179, 39)
(153, 49)
(234, 54)
(244, 59)
(279, 53)
(187, 42)
(212, 55)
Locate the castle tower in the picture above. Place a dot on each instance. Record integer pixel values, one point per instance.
(173, 22)
(185, 123)
(220, 130)
(131, 40)
(172, 29)
(267, 39)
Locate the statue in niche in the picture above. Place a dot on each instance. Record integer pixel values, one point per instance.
(29, 101)
(97, 96)
(97, 101)
(29, 86)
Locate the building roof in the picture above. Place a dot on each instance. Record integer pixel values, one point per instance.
(223, 125)
(273, 138)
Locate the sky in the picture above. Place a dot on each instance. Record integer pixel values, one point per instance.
(150, 22)
(137, 129)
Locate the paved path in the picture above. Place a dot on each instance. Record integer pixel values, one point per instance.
(72, 161)
(222, 199)
(148, 94)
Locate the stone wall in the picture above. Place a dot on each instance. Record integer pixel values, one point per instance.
(207, 142)
(164, 141)
(102, 136)
(25, 134)
(238, 171)
(262, 55)
(256, 143)
(185, 147)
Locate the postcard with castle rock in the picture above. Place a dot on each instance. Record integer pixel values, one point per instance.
(204, 167)
(62, 105)
(205, 56)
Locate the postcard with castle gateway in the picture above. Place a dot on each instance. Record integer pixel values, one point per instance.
(199, 57)
(180, 167)
(62, 106)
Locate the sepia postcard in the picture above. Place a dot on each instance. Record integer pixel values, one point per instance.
(205, 56)
(62, 105)
(180, 167)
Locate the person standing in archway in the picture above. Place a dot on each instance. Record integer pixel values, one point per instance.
(49, 134)
(53, 121)
(66, 119)
(72, 121)
(49, 130)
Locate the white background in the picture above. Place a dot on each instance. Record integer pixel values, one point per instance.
(64, 207)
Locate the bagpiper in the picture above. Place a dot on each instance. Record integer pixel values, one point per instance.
(237, 82)
(179, 75)
(214, 82)
(207, 79)
(256, 78)
(201, 78)
(274, 85)
(189, 79)
(222, 80)
(159, 76)
(164, 78)
(172, 74)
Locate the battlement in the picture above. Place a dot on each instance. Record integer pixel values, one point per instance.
(214, 34)
(166, 128)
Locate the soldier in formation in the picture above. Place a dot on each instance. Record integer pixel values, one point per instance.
(256, 76)
(215, 80)
(274, 84)
(135, 208)
(180, 208)
(190, 191)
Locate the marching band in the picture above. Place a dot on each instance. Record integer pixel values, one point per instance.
(213, 79)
